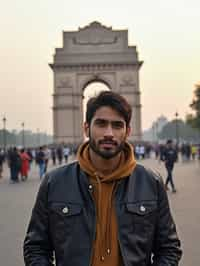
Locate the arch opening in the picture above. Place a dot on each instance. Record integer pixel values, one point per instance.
(91, 90)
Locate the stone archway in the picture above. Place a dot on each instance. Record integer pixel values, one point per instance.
(92, 89)
(93, 53)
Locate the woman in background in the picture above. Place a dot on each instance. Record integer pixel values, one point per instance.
(25, 159)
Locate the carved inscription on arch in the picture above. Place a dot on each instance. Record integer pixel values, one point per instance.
(64, 83)
(127, 80)
(95, 40)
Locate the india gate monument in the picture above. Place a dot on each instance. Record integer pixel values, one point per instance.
(94, 53)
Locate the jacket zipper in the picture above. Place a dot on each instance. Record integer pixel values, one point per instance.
(120, 245)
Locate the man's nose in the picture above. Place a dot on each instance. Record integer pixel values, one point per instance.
(108, 131)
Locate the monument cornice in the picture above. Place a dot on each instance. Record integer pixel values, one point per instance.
(93, 67)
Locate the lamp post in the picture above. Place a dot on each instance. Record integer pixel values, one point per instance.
(177, 129)
(23, 137)
(4, 133)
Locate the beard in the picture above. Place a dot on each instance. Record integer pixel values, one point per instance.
(106, 153)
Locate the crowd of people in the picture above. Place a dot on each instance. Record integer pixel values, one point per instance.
(20, 160)
(187, 151)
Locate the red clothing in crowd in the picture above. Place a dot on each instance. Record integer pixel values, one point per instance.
(25, 163)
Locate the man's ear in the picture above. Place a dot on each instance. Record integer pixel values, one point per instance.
(128, 131)
(86, 129)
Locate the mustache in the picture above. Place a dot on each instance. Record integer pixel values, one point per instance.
(108, 141)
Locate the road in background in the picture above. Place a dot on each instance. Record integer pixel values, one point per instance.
(16, 202)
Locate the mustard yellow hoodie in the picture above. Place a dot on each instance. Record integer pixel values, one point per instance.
(106, 247)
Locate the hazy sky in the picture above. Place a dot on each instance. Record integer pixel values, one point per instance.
(166, 33)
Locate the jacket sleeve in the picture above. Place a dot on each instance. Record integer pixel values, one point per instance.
(37, 244)
(167, 251)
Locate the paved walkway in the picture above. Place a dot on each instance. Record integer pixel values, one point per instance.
(185, 207)
(16, 202)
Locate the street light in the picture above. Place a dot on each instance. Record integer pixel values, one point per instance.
(23, 137)
(4, 133)
(177, 131)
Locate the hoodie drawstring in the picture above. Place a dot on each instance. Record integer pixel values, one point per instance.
(105, 238)
(99, 215)
(109, 217)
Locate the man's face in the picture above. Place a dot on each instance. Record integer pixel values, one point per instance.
(107, 132)
(170, 145)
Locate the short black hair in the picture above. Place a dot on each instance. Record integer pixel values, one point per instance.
(169, 141)
(110, 99)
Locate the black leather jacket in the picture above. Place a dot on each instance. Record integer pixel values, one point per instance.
(63, 221)
(169, 156)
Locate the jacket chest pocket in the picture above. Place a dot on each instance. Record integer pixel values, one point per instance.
(64, 216)
(142, 215)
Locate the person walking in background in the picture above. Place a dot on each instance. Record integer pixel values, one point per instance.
(59, 153)
(40, 159)
(66, 152)
(47, 156)
(25, 161)
(188, 151)
(183, 152)
(169, 157)
(137, 151)
(53, 155)
(142, 151)
(103, 209)
(14, 163)
(2, 158)
(30, 154)
(194, 151)
(157, 151)
(34, 153)
(198, 152)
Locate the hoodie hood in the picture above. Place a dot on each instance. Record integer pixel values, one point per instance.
(126, 165)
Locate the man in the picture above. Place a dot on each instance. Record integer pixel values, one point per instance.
(66, 152)
(59, 153)
(169, 157)
(53, 155)
(47, 155)
(40, 159)
(2, 159)
(103, 209)
(14, 162)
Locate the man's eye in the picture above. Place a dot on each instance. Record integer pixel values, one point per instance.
(100, 123)
(117, 125)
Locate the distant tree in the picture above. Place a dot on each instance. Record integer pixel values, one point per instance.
(14, 138)
(194, 119)
(185, 131)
